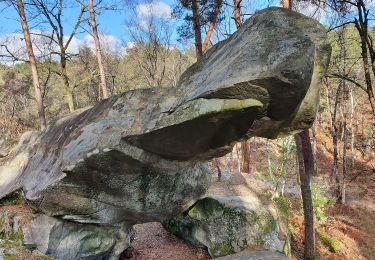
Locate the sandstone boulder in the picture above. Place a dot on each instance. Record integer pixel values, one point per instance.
(139, 156)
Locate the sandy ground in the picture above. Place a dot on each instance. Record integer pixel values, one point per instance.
(153, 242)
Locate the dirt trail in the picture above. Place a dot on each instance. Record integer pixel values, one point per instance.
(153, 242)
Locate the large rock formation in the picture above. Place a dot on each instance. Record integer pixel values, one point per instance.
(138, 156)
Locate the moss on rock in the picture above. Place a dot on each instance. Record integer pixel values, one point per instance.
(331, 243)
(227, 225)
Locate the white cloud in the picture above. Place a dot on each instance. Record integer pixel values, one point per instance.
(130, 45)
(108, 42)
(310, 10)
(144, 24)
(15, 44)
(155, 8)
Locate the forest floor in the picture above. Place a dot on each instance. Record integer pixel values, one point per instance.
(352, 223)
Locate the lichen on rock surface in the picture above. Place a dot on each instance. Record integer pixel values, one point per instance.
(140, 156)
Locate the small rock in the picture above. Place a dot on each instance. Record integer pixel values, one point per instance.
(257, 255)
(16, 224)
(5, 227)
(4, 148)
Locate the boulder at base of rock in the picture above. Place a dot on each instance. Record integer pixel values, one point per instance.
(227, 225)
(68, 240)
(254, 255)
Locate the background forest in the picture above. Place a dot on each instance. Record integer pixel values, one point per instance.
(79, 64)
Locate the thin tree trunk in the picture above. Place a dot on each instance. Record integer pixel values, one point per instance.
(238, 159)
(69, 95)
(237, 13)
(335, 141)
(288, 4)
(98, 50)
(362, 27)
(368, 80)
(212, 25)
(269, 160)
(369, 142)
(344, 166)
(54, 17)
(245, 148)
(218, 169)
(254, 156)
(352, 129)
(306, 170)
(245, 145)
(33, 65)
(197, 29)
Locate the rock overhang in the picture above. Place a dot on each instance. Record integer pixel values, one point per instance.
(244, 86)
(138, 156)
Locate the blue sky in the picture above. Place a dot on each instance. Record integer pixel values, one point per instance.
(111, 23)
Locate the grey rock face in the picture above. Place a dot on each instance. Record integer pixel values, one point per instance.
(4, 148)
(138, 156)
(69, 240)
(228, 225)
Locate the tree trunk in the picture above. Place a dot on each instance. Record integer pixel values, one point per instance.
(254, 156)
(369, 142)
(237, 13)
(34, 71)
(335, 165)
(197, 29)
(352, 129)
(269, 160)
(306, 170)
(69, 95)
(362, 27)
(98, 50)
(344, 166)
(335, 142)
(314, 142)
(245, 148)
(68, 91)
(212, 25)
(366, 70)
(245, 145)
(218, 169)
(288, 4)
